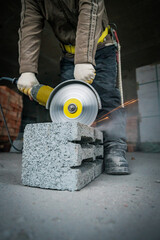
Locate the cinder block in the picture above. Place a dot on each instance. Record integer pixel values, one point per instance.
(98, 167)
(98, 151)
(98, 136)
(63, 156)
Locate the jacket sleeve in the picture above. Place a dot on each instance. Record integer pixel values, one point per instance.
(88, 30)
(31, 26)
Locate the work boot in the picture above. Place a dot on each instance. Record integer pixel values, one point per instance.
(114, 132)
(115, 158)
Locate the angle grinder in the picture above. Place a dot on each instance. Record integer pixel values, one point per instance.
(71, 100)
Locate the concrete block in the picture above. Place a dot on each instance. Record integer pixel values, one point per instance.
(70, 179)
(62, 132)
(61, 156)
(98, 151)
(98, 136)
(98, 168)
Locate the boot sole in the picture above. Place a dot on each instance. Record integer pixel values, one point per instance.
(117, 171)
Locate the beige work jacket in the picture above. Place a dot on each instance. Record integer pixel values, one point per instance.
(75, 22)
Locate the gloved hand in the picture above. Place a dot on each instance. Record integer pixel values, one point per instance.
(26, 81)
(84, 72)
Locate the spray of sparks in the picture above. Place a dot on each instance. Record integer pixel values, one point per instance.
(105, 117)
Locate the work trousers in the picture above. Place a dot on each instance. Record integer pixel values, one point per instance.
(105, 84)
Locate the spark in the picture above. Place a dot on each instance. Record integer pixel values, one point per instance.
(105, 117)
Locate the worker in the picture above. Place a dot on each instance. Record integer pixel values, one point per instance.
(89, 54)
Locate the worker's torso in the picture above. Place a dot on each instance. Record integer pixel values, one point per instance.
(63, 18)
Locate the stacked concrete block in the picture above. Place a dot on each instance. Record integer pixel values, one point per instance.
(63, 156)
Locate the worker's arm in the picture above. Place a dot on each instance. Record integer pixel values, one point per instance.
(88, 30)
(31, 26)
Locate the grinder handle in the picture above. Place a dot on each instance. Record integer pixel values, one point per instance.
(14, 81)
(40, 93)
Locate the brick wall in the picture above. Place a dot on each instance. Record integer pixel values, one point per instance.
(11, 103)
(132, 133)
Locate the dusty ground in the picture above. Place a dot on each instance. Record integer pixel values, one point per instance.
(111, 207)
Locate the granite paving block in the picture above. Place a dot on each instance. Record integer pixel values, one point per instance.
(98, 136)
(98, 151)
(71, 179)
(63, 132)
(61, 156)
(98, 167)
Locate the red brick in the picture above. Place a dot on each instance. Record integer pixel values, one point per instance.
(4, 110)
(19, 115)
(1, 123)
(3, 131)
(4, 90)
(12, 131)
(12, 108)
(14, 105)
(12, 115)
(131, 147)
(11, 122)
(3, 139)
(4, 102)
(2, 95)
(13, 93)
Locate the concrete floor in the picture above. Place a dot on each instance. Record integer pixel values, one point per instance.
(111, 207)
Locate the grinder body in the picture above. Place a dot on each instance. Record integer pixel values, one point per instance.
(72, 100)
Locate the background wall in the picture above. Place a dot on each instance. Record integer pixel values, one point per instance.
(138, 25)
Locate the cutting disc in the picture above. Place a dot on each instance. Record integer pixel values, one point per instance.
(74, 100)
